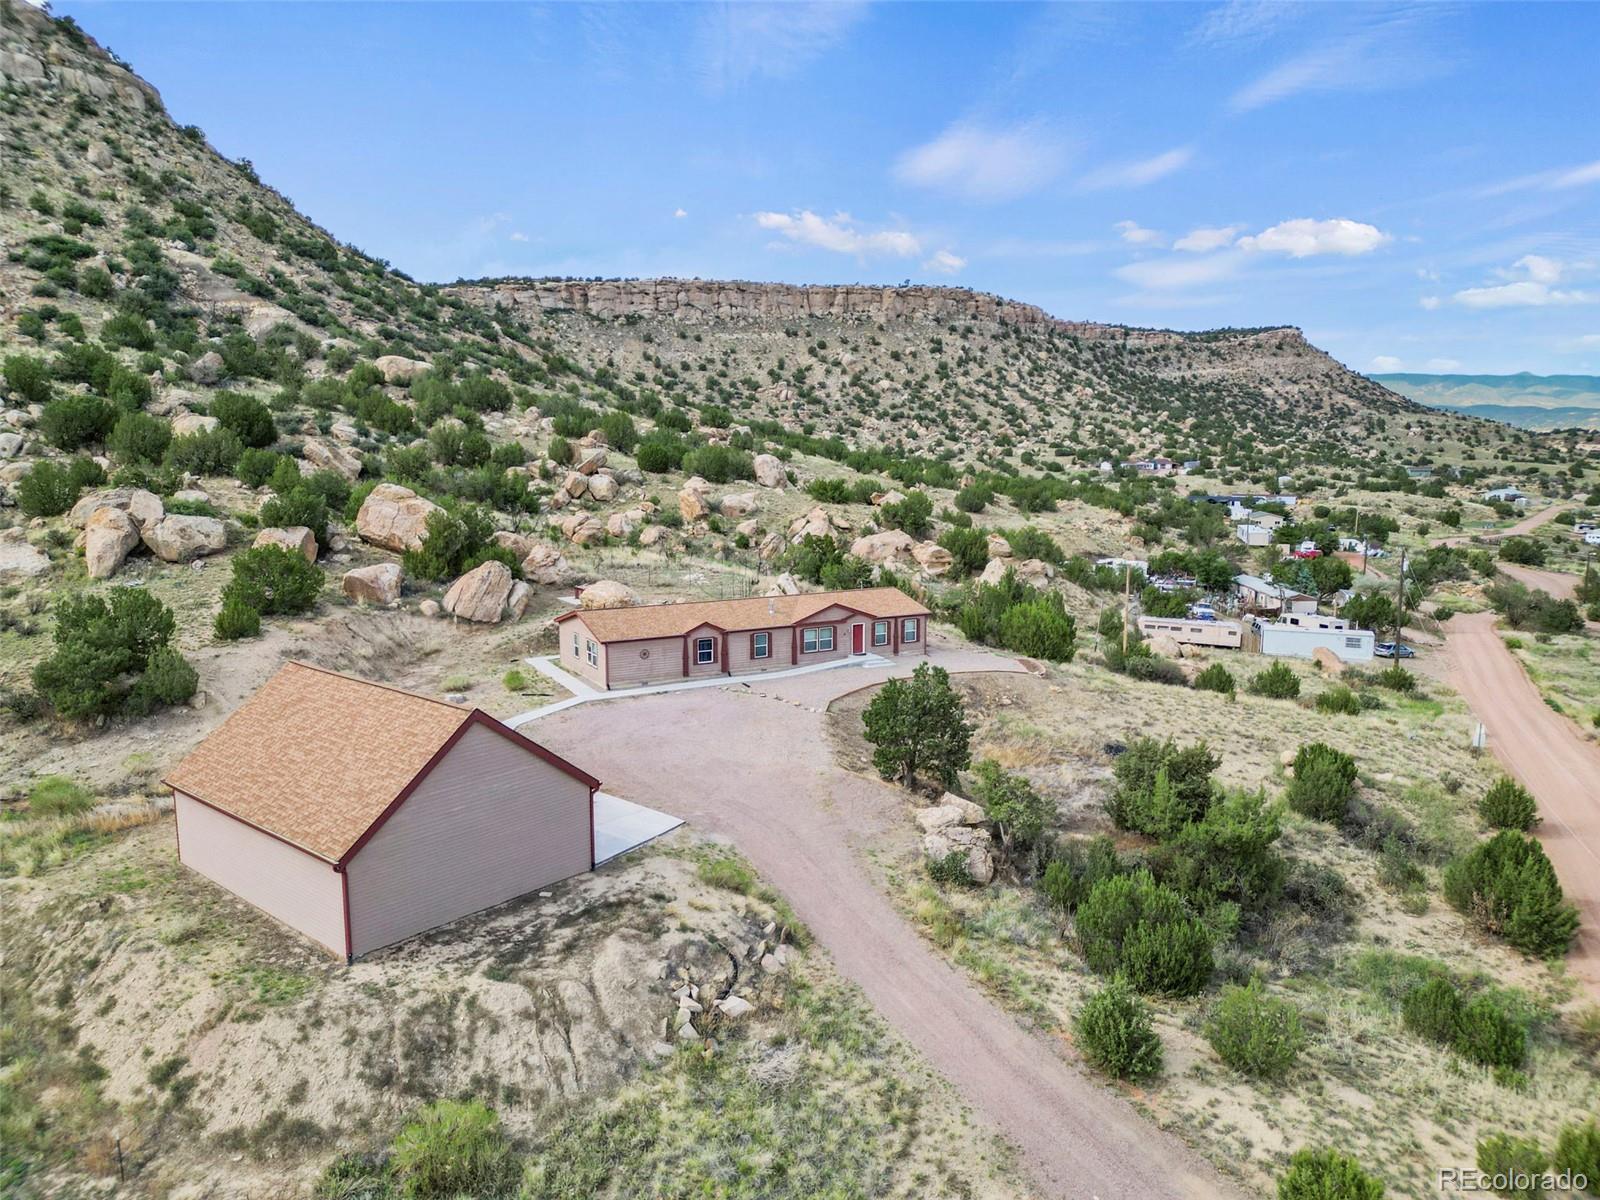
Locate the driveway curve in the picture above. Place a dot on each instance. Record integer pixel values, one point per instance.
(1543, 749)
(752, 762)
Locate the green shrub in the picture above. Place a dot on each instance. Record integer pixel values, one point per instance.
(1254, 1033)
(299, 507)
(246, 417)
(1508, 887)
(1397, 679)
(719, 464)
(1519, 1161)
(1189, 792)
(1277, 682)
(453, 1148)
(1226, 856)
(127, 329)
(654, 455)
(1019, 814)
(969, 550)
(1115, 1034)
(28, 378)
(452, 538)
(1133, 925)
(1339, 699)
(1215, 678)
(974, 498)
(950, 869)
(273, 580)
(139, 438)
(205, 452)
(129, 390)
(58, 796)
(73, 421)
(1040, 629)
(913, 515)
(1578, 1152)
(919, 725)
(256, 466)
(1508, 805)
(1433, 1011)
(1323, 784)
(51, 488)
(102, 651)
(1076, 867)
(1327, 1175)
(168, 679)
(236, 620)
(1490, 1034)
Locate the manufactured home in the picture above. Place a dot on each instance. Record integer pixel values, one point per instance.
(1298, 635)
(1190, 632)
(360, 815)
(1263, 595)
(669, 643)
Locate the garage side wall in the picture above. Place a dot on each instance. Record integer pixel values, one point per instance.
(490, 822)
(301, 891)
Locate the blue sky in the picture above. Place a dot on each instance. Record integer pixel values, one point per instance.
(1416, 186)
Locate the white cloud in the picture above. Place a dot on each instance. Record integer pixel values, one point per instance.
(1532, 285)
(944, 262)
(679, 213)
(1136, 235)
(1525, 294)
(1139, 172)
(1203, 240)
(1386, 363)
(984, 163)
(839, 234)
(1443, 365)
(739, 41)
(1243, 21)
(1430, 302)
(1170, 274)
(1383, 48)
(1558, 179)
(1305, 237)
(519, 236)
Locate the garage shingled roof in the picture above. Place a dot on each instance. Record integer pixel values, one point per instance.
(752, 612)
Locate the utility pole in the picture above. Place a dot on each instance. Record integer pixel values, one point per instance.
(1362, 541)
(1127, 601)
(1400, 607)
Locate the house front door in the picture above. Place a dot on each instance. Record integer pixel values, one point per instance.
(858, 639)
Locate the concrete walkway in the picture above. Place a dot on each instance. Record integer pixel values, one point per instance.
(584, 692)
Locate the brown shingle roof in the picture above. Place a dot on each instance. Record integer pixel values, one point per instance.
(316, 757)
(754, 612)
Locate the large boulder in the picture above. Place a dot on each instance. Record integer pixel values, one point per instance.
(951, 810)
(518, 601)
(11, 444)
(330, 456)
(994, 571)
(891, 547)
(109, 536)
(394, 517)
(738, 504)
(186, 423)
(295, 538)
(18, 558)
(608, 593)
(933, 558)
(590, 461)
(622, 524)
(180, 538)
(602, 488)
(973, 844)
(583, 529)
(377, 584)
(397, 369)
(771, 546)
(1165, 645)
(144, 507)
(769, 471)
(694, 500)
(998, 546)
(1035, 572)
(546, 565)
(818, 522)
(481, 594)
(519, 544)
(207, 369)
(784, 585)
(879, 499)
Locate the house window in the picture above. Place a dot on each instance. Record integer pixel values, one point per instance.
(880, 633)
(818, 637)
(761, 645)
(574, 645)
(705, 650)
(908, 629)
(594, 654)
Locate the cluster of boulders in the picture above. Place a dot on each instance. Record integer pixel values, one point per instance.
(695, 502)
(957, 825)
(114, 521)
(487, 594)
(704, 998)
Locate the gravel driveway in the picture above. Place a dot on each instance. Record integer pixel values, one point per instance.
(752, 762)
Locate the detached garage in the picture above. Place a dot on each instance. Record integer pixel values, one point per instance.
(360, 814)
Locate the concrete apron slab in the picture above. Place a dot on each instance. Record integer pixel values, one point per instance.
(621, 825)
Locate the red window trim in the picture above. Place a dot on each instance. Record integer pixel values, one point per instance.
(709, 661)
(803, 629)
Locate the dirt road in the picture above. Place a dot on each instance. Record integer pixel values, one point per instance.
(1527, 525)
(1541, 748)
(753, 762)
(1557, 584)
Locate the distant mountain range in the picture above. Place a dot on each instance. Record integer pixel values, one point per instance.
(1529, 401)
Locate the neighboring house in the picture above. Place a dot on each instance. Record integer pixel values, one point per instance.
(1592, 537)
(1298, 635)
(360, 814)
(1137, 564)
(1253, 535)
(666, 643)
(1419, 472)
(1262, 595)
(1227, 634)
(1508, 495)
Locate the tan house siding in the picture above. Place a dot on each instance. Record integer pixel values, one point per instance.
(489, 823)
(298, 889)
(653, 660)
(575, 658)
(697, 669)
(740, 661)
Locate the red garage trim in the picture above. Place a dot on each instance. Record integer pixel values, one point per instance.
(344, 893)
